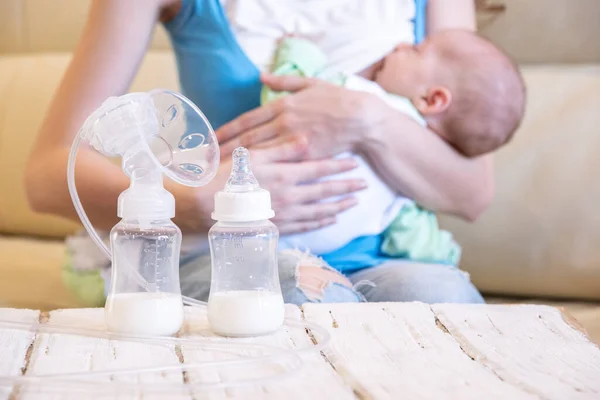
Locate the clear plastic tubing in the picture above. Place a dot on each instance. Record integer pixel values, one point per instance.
(289, 359)
(80, 381)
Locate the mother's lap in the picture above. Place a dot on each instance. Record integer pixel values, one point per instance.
(306, 278)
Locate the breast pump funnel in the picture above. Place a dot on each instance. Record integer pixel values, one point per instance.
(155, 133)
(245, 294)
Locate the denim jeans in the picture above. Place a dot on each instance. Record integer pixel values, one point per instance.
(306, 278)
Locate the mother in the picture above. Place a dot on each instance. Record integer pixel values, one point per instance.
(219, 75)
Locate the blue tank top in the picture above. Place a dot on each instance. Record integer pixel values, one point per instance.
(214, 71)
(218, 76)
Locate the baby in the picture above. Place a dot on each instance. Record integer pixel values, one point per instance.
(456, 83)
(466, 89)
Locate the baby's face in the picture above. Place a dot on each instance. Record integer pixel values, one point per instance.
(410, 69)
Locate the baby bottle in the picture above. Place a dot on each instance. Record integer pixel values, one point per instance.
(145, 294)
(245, 295)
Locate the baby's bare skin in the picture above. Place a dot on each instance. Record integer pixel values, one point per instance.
(446, 79)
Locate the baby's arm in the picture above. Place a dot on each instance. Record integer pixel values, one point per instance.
(296, 57)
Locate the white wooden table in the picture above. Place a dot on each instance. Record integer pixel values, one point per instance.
(378, 351)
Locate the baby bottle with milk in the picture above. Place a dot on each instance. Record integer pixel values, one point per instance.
(145, 295)
(245, 295)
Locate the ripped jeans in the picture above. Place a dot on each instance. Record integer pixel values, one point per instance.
(306, 278)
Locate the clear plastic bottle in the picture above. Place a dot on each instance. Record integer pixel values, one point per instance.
(152, 250)
(245, 294)
(145, 294)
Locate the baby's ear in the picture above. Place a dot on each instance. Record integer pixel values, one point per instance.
(435, 101)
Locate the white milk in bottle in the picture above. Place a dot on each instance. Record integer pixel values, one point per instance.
(245, 295)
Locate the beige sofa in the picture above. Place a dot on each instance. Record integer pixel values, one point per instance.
(540, 238)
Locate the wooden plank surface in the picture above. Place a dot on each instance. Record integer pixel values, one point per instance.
(15, 346)
(378, 351)
(530, 347)
(393, 348)
(59, 353)
(317, 379)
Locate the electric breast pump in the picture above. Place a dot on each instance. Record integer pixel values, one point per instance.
(155, 133)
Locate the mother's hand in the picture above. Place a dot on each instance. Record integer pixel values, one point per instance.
(331, 119)
(297, 207)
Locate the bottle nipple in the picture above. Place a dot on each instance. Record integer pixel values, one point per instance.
(242, 199)
(241, 179)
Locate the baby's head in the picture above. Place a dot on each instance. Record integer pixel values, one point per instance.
(467, 89)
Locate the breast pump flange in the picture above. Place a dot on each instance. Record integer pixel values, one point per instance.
(162, 132)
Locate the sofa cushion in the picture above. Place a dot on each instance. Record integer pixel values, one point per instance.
(541, 235)
(31, 273)
(548, 31)
(31, 26)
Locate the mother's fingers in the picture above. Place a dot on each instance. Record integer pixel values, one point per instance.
(249, 138)
(312, 170)
(292, 150)
(317, 191)
(303, 226)
(293, 173)
(249, 120)
(283, 83)
(315, 211)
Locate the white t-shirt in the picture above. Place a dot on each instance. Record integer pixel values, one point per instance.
(353, 33)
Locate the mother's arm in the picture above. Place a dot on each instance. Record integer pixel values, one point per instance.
(476, 174)
(456, 14)
(421, 166)
(418, 163)
(412, 159)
